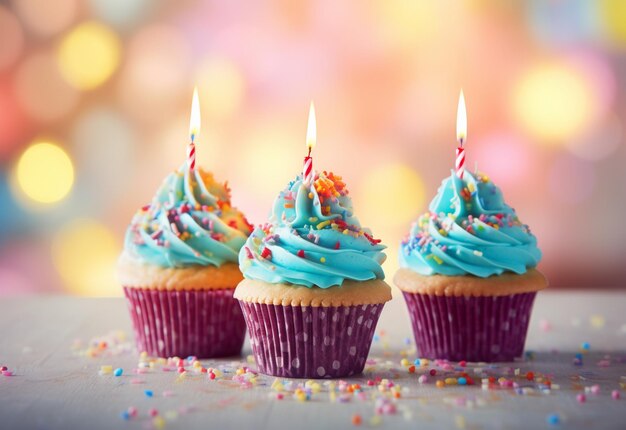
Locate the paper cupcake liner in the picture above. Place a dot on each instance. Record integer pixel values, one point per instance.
(470, 328)
(311, 342)
(202, 323)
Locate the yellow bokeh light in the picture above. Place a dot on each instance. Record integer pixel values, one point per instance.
(222, 87)
(45, 173)
(89, 55)
(554, 103)
(84, 253)
(613, 16)
(391, 192)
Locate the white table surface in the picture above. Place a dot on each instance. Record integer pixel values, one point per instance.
(55, 387)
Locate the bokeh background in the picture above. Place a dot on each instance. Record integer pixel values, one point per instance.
(95, 98)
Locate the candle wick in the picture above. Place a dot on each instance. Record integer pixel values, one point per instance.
(461, 140)
(309, 154)
(193, 137)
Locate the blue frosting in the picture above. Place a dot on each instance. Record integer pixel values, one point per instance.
(469, 230)
(189, 222)
(312, 239)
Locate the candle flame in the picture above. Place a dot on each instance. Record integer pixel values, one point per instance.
(311, 131)
(194, 120)
(461, 120)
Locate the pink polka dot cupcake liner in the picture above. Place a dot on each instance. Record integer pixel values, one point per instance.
(488, 328)
(202, 323)
(311, 342)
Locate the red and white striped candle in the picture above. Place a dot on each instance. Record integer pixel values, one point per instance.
(191, 156)
(194, 129)
(461, 135)
(311, 137)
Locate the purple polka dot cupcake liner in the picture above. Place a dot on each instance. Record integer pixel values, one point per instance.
(311, 342)
(202, 323)
(488, 328)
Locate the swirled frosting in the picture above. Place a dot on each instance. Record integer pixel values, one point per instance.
(189, 222)
(469, 230)
(312, 239)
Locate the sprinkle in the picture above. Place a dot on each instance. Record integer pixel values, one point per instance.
(323, 224)
(422, 379)
(585, 346)
(118, 371)
(322, 260)
(266, 253)
(132, 411)
(125, 415)
(106, 369)
(357, 420)
(462, 381)
(158, 422)
(153, 412)
(615, 395)
(148, 393)
(553, 419)
(581, 398)
(440, 384)
(300, 253)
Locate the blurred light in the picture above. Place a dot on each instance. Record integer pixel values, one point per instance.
(13, 282)
(222, 87)
(406, 23)
(46, 17)
(560, 22)
(155, 76)
(194, 119)
(84, 253)
(102, 138)
(42, 91)
(45, 173)
(394, 192)
(12, 122)
(121, 13)
(601, 141)
(571, 180)
(13, 220)
(89, 55)
(613, 16)
(554, 102)
(503, 156)
(275, 149)
(11, 36)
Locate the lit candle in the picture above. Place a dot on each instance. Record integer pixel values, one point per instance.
(194, 129)
(461, 136)
(311, 137)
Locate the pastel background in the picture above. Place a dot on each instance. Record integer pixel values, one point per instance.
(107, 84)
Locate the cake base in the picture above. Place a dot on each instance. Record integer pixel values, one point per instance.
(177, 323)
(468, 328)
(311, 341)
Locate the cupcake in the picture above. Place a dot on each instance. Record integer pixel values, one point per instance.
(468, 274)
(313, 287)
(179, 269)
